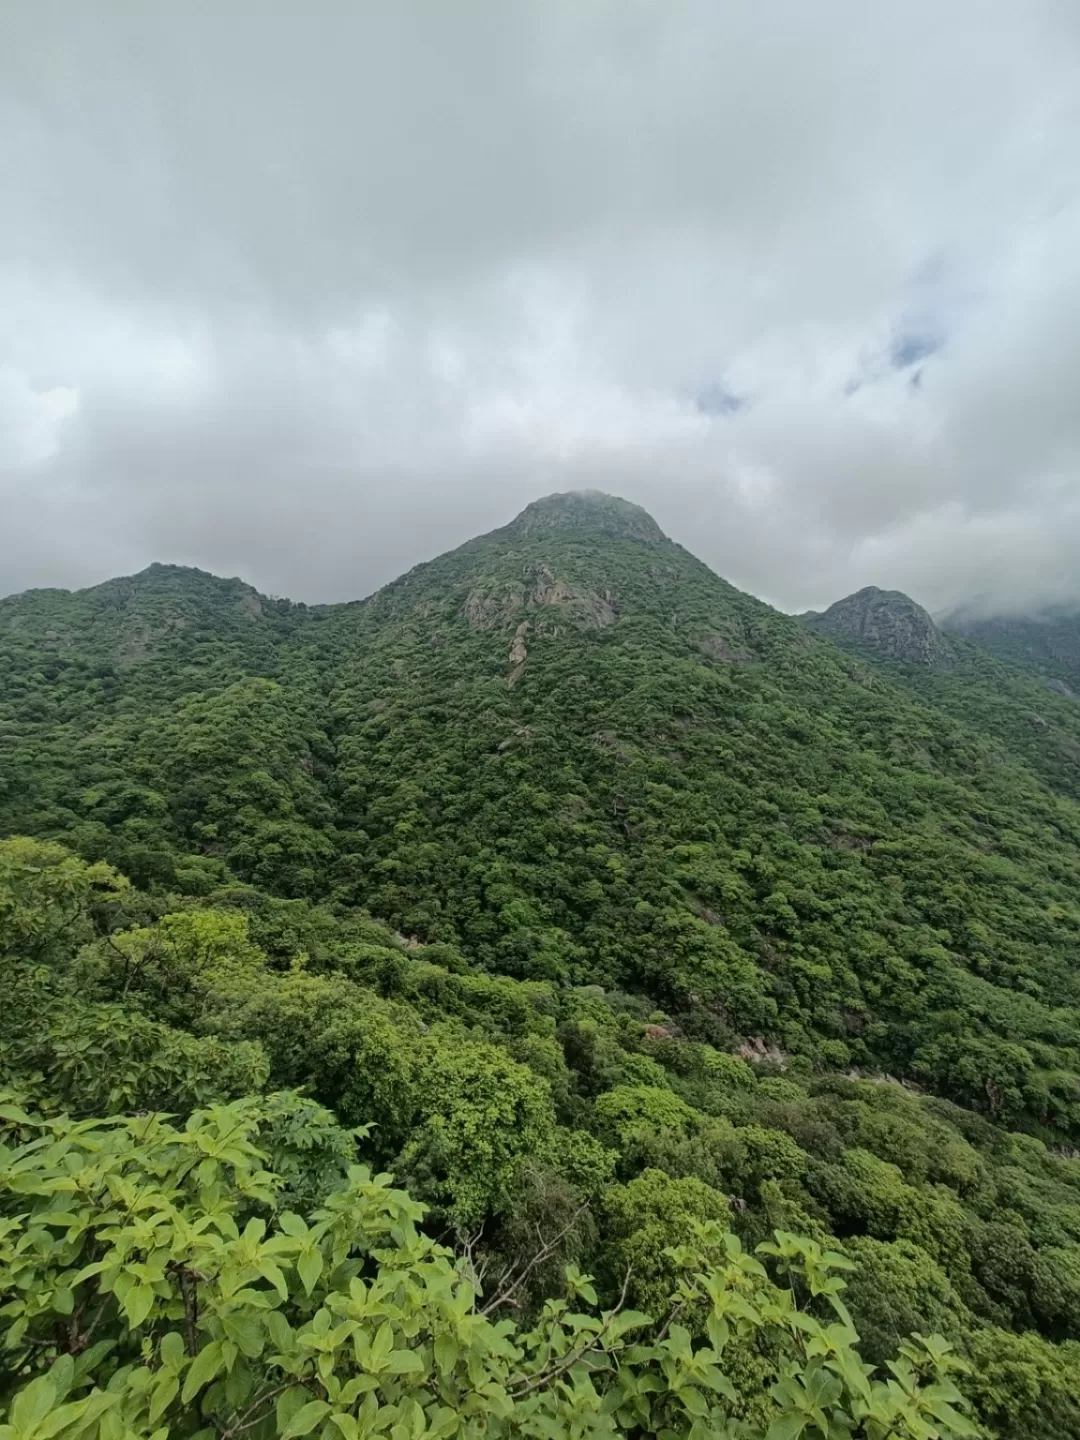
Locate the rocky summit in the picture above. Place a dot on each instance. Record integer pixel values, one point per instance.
(889, 622)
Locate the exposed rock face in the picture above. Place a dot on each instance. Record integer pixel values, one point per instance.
(518, 652)
(891, 623)
(492, 609)
(1060, 688)
(717, 648)
(584, 608)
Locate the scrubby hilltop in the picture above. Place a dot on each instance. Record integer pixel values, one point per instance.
(561, 841)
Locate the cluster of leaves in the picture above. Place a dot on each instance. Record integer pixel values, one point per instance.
(541, 1125)
(154, 1286)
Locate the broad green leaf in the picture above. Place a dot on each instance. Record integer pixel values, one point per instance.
(446, 1351)
(305, 1419)
(269, 1271)
(138, 1304)
(692, 1401)
(787, 1427)
(32, 1404)
(247, 1332)
(309, 1267)
(171, 1349)
(164, 1395)
(206, 1364)
(381, 1347)
(404, 1362)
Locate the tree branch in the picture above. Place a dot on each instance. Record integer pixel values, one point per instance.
(510, 1283)
(573, 1357)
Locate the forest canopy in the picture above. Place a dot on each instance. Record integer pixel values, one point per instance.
(706, 990)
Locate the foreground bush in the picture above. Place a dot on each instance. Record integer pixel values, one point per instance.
(152, 1287)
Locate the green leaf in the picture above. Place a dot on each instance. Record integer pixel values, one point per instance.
(447, 1351)
(281, 1332)
(381, 1347)
(61, 1417)
(404, 1362)
(164, 1395)
(32, 1404)
(269, 1271)
(138, 1303)
(787, 1427)
(715, 1379)
(207, 1363)
(287, 1406)
(309, 1267)
(305, 1419)
(693, 1402)
(246, 1331)
(171, 1349)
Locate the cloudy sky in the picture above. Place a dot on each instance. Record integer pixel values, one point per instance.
(310, 292)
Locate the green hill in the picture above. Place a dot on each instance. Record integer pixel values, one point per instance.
(1047, 644)
(974, 674)
(685, 907)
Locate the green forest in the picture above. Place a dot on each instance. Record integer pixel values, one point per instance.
(559, 995)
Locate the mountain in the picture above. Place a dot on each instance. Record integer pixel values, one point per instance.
(768, 918)
(994, 689)
(889, 622)
(570, 749)
(166, 611)
(1047, 644)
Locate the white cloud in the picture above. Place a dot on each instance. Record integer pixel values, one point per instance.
(31, 420)
(310, 292)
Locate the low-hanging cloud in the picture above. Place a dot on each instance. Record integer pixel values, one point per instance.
(309, 293)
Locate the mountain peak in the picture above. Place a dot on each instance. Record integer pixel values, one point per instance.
(588, 510)
(890, 622)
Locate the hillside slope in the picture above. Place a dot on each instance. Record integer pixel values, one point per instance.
(1047, 644)
(611, 897)
(572, 750)
(990, 687)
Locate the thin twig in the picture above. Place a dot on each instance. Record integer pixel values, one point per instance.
(243, 1423)
(575, 1356)
(673, 1315)
(507, 1290)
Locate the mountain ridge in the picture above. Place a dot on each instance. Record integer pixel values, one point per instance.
(598, 886)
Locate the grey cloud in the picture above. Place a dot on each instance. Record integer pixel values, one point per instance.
(309, 293)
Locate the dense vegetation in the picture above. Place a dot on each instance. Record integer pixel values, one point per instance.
(1008, 687)
(1047, 644)
(608, 903)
